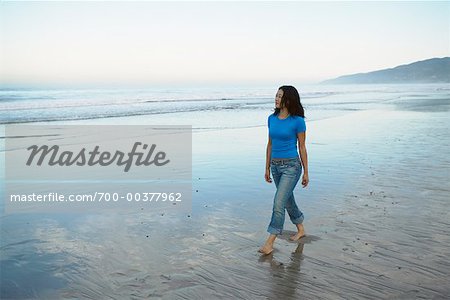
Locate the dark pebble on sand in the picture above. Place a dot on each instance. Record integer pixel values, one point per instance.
(166, 277)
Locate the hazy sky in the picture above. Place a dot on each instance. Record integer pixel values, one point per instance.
(140, 43)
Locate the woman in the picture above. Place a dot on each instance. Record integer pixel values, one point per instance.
(286, 127)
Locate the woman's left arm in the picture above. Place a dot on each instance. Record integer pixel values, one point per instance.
(301, 136)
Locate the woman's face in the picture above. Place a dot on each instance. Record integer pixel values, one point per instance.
(278, 97)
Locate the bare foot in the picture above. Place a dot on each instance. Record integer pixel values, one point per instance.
(266, 249)
(299, 234)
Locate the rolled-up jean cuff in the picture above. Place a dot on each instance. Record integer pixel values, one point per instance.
(299, 220)
(273, 230)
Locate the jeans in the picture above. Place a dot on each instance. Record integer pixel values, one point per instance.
(285, 173)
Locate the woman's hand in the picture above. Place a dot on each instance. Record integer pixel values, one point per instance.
(267, 176)
(305, 180)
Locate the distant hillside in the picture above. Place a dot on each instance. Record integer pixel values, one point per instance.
(434, 70)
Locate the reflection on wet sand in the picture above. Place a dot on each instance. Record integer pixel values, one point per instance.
(285, 275)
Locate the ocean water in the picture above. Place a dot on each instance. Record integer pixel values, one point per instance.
(203, 108)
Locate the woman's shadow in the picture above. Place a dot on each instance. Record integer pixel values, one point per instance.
(287, 276)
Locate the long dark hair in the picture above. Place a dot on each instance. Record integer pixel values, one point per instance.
(291, 100)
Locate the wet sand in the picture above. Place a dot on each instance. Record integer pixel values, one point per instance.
(376, 218)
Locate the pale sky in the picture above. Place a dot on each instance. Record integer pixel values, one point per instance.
(145, 43)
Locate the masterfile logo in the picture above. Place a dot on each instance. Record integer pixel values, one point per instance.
(91, 158)
(101, 152)
(107, 166)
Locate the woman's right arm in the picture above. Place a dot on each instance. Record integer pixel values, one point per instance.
(268, 156)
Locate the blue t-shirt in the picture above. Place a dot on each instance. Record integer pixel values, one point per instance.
(283, 133)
